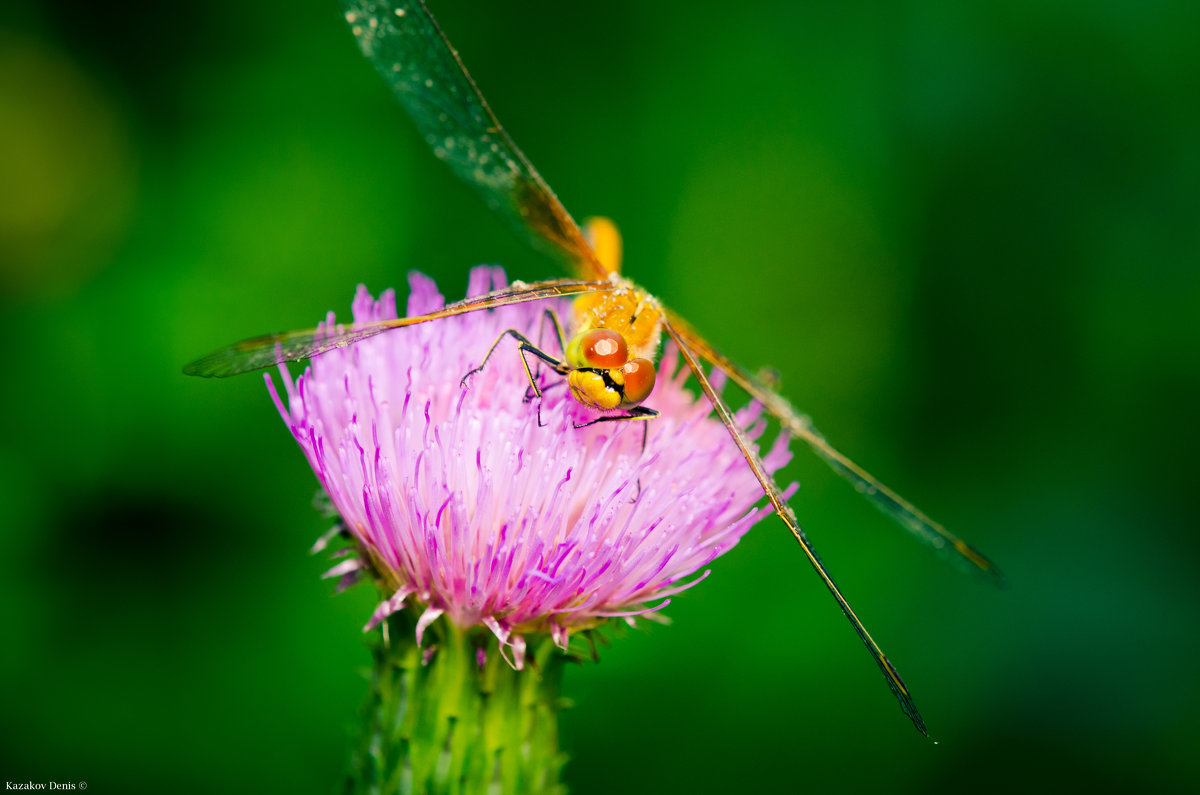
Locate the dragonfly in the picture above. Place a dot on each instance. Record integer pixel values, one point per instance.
(406, 45)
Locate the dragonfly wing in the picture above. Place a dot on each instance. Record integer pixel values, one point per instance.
(895, 683)
(406, 45)
(912, 519)
(291, 346)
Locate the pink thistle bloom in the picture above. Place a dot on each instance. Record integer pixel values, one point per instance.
(466, 508)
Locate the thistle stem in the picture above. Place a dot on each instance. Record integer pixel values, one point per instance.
(438, 722)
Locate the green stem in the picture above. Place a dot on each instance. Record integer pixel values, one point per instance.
(447, 725)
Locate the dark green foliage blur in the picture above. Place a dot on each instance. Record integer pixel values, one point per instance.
(964, 234)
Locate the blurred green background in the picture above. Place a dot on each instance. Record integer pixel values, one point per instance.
(965, 234)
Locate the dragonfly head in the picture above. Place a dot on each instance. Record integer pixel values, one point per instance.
(602, 375)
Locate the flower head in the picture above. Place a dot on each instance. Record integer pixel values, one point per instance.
(465, 506)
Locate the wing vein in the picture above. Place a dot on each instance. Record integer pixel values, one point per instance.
(920, 526)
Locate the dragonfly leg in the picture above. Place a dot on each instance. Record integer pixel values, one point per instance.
(635, 413)
(524, 346)
(559, 336)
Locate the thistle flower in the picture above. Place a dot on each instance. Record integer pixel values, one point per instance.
(471, 503)
(467, 507)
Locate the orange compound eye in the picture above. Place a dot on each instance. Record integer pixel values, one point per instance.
(639, 381)
(601, 348)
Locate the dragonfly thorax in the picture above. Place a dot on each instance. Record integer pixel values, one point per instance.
(628, 310)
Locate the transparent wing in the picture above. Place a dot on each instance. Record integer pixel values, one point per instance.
(291, 346)
(409, 50)
(924, 529)
(895, 683)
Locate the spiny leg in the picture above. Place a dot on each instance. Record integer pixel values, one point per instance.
(636, 413)
(559, 336)
(523, 346)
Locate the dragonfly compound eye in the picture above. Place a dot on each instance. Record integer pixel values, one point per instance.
(639, 381)
(601, 348)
